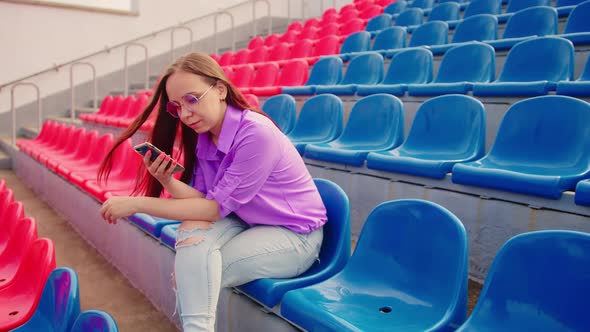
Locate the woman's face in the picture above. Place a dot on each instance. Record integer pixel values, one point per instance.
(204, 115)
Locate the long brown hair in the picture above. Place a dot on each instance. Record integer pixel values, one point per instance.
(165, 128)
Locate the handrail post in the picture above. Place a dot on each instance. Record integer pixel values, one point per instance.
(190, 33)
(147, 67)
(254, 16)
(13, 110)
(233, 31)
(72, 95)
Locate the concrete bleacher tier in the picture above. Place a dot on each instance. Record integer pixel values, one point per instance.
(386, 101)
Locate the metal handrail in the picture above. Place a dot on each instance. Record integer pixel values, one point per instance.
(13, 110)
(267, 14)
(147, 67)
(233, 31)
(190, 32)
(72, 95)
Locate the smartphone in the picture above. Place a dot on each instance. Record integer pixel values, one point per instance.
(143, 148)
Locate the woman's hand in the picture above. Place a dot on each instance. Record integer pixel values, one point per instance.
(161, 168)
(119, 207)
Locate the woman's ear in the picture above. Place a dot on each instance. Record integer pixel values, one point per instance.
(222, 90)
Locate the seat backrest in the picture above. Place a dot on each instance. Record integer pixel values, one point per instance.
(410, 16)
(86, 141)
(562, 3)
(493, 7)
(271, 39)
(258, 54)
(418, 248)
(252, 100)
(282, 109)
(331, 29)
(379, 22)
(396, 7)
(229, 72)
(327, 71)
(578, 20)
(369, 12)
(100, 148)
(364, 69)
(95, 321)
(539, 21)
(105, 104)
(280, 51)
(347, 16)
(447, 11)
(11, 214)
(352, 26)
(294, 73)
(424, 4)
(376, 122)
(476, 28)
(545, 272)
(516, 5)
(357, 42)
(410, 66)
(470, 62)
(452, 124)
(226, 58)
(321, 117)
(295, 26)
(302, 48)
(335, 249)
(308, 33)
(431, 33)
(328, 45)
(241, 57)
(457, 1)
(6, 197)
(256, 42)
(290, 36)
(60, 301)
(585, 76)
(390, 38)
(22, 235)
(533, 132)
(538, 59)
(243, 75)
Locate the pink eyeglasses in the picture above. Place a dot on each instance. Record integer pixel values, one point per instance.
(188, 100)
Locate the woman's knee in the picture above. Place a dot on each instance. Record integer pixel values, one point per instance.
(191, 233)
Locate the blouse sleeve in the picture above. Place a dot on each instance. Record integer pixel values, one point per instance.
(255, 156)
(199, 180)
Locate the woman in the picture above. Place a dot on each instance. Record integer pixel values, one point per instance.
(253, 210)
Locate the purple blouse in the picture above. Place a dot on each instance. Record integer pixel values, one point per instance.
(256, 172)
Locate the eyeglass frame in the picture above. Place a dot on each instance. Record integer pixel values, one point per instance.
(182, 103)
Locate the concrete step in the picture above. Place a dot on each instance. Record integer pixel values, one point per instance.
(5, 161)
(67, 120)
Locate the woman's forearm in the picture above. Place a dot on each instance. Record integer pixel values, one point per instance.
(194, 208)
(179, 189)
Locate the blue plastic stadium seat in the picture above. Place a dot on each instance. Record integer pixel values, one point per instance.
(527, 23)
(577, 28)
(362, 69)
(396, 7)
(565, 7)
(448, 11)
(541, 149)
(408, 273)
(379, 22)
(493, 7)
(410, 16)
(390, 38)
(357, 42)
(427, 34)
(446, 130)
(579, 87)
(407, 66)
(538, 281)
(149, 224)
(326, 71)
(282, 109)
(480, 27)
(59, 305)
(168, 236)
(460, 68)
(583, 193)
(516, 5)
(423, 4)
(320, 120)
(532, 68)
(376, 123)
(95, 321)
(334, 252)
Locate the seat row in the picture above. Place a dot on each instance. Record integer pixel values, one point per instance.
(34, 295)
(364, 292)
(541, 147)
(533, 67)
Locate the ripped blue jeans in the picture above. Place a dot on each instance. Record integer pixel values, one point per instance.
(228, 254)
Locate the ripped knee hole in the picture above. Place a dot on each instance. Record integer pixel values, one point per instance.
(190, 240)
